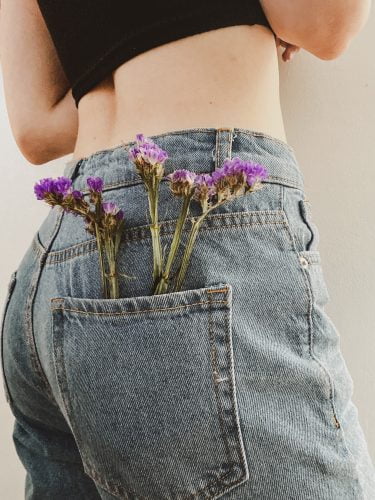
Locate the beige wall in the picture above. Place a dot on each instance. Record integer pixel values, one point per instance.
(329, 111)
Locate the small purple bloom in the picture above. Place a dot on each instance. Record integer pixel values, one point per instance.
(77, 195)
(120, 215)
(181, 181)
(147, 151)
(95, 184)
(62, 185)
(110, 208)
(247, 170)
(205, 188)
(43, 187)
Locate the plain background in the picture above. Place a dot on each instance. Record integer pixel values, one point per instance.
(329, 114)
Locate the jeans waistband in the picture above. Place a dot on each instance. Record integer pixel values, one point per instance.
(200, 150)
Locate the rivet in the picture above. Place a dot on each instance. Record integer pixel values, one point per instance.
(303, 261)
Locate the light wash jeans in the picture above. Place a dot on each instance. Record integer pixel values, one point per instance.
(233, 388)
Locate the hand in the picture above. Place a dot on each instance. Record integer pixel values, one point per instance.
(290, 50)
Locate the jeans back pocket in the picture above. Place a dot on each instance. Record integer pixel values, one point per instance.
(147, 386)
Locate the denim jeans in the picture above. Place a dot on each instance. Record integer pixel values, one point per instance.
(234, 387)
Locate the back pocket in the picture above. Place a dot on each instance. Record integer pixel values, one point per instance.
(148, 388)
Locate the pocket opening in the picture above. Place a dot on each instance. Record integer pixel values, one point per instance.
(306, 215)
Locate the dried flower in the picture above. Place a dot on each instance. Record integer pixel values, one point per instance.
(95, 184)
(105, 222)
(181, 182)
(205, 189)
(149, 161)
(237, 177)
(148, 157)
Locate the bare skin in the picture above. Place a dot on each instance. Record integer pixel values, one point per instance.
(227, 77)
(206, 80)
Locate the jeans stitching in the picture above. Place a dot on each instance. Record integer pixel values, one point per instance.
(142, 232)
(282, 180)
(116, 488)
(28, 319)
(11, 286)
(201, 229)
(138, 311)
(310, 295)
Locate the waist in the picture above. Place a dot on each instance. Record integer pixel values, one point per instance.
(226, 77)
(200, 150)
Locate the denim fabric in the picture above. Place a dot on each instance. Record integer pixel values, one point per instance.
(234, 387)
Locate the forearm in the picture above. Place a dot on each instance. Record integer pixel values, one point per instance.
(37, 93)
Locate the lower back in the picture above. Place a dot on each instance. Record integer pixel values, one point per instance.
(227, 77)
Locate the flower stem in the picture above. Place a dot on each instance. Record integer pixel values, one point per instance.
(101, 261)
(112, 275)
(153, 196)
(188, 250)
(162, 285)
(189, 246)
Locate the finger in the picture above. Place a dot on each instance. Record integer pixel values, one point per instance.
(290, 52)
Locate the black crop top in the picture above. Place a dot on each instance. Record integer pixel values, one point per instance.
(94, 37)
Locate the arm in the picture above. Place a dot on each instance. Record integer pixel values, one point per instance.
(323, 27)
(41, 109)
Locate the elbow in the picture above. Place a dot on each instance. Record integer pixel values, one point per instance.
(331, 51)
(38, 147)
(31, 149)
(340, 30)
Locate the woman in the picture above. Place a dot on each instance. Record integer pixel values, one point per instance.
(235, 386)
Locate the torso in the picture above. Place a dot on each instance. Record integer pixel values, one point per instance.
(228, 77)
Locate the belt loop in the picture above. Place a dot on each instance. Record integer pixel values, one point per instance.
(224, 138)
(72, 168)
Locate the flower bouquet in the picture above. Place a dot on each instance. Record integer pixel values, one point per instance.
(235, 178)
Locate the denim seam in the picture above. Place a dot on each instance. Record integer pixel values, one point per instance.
(39, 248)
(278, 180)
(230, 140)
(118, 489)
(328, 375)
(266, 136)
(28, 319)
(217, 149)
(143, 233)
(232, 443)
(203, 130)
(125, 313)
(58, 355)
(56, 260)
(310, 295)
(11, 286)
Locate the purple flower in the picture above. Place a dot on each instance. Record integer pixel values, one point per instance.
(95, 184)
(237, 176)
(146, 151)
(43, 187)
(110, 208)
(204, 189)
(77, 195)
(120, 215)
(181, 181)
(62, 185)
(244, 170)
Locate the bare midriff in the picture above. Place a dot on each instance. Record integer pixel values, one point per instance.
(223, 78)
